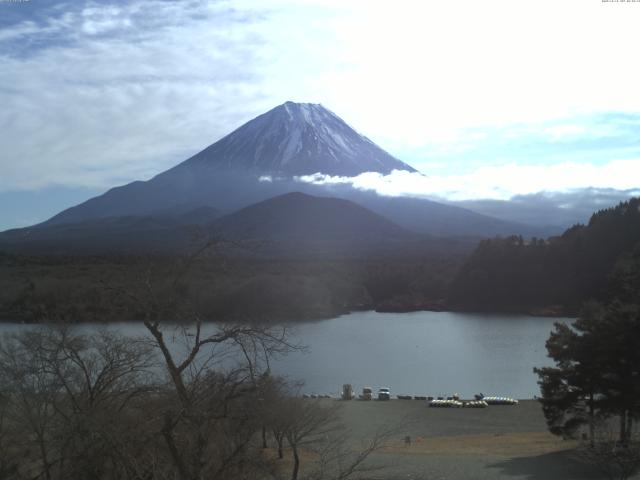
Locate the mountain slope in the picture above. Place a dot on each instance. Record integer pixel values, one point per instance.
(433, 218)
(300, 225)
(296, 139)
(300, 217)
(118, 234)
(261, 160)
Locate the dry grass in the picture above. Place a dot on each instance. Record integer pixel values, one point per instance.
(284, 466)
(500, 445)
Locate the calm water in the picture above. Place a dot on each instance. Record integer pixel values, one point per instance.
(429, 353)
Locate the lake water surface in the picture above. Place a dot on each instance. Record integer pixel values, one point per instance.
(426, 353)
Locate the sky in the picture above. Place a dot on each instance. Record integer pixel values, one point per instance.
(488, 99)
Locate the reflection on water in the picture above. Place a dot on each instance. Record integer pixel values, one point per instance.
(429, 353)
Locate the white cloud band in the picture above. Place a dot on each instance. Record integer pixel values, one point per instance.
(500, 182)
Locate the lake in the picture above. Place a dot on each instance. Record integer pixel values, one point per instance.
(419, 353)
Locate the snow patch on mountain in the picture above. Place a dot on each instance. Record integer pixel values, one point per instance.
(297, 139)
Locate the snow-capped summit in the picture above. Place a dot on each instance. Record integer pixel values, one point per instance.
(297, 139)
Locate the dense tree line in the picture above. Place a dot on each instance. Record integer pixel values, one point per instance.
(558, 274)
(72, 289)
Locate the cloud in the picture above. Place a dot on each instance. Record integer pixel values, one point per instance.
(102, 93)
(99, 94)
(561, 209)
(100, 20)
(436, 67)
(586, 139)
(499, 182)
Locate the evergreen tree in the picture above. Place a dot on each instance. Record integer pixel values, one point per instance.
(569, 390)
(597, 370)
(563, 272)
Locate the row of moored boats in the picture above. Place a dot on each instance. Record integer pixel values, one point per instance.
(482, 402)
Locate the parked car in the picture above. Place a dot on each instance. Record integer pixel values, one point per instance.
(384, 394)
(367, 393)
(347, 392)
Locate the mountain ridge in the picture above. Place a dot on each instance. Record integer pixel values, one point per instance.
(293, 225)
(297, 215)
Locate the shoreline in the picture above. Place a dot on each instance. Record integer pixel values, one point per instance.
(543, 312)
(319, 318)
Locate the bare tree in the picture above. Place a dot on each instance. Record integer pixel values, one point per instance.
(8, 456)
(340, 459)
(67, 396)
(101, 375)
(213, 421)
(31, 392)
(308, 422)
(210, 417)
(315, 427)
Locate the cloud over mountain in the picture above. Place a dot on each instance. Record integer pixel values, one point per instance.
(494, 182)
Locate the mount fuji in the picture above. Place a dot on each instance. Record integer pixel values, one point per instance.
(290, 140)
(258, 161)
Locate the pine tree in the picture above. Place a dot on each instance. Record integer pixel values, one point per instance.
(597, 372)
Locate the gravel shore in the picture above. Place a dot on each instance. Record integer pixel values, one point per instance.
(498, 442)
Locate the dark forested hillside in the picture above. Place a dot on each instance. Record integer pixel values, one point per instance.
(554, 275)
(82, 288)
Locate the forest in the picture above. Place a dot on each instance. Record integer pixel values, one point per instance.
(81, 288)
(551, 276)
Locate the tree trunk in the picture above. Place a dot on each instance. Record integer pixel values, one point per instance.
(591, 422)
(174, 372)
(296, 463)
(264, 437)
(45, 458)
(279, 437)
(623, 427)
(177, 460)
(629, 426)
